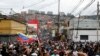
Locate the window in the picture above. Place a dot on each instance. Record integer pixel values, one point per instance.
(83, 37)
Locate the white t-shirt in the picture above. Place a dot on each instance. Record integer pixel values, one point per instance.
(34, 54)
(75, 53)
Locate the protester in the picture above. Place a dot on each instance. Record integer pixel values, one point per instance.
(50, 48)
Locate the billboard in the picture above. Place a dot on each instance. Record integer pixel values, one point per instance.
(32, 26)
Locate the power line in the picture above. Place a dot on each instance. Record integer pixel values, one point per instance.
(80, 2)
(80, 13)
(23, 7)
(12, 11)
(47, 5)
(85, 9)
(88, 5)
(33, 4)
(2, 10)
(81, 20)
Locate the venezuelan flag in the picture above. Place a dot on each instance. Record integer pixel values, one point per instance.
(24, 38)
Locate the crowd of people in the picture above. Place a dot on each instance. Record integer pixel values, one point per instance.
(50, 48)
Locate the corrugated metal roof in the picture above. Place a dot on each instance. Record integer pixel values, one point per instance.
(84, 23)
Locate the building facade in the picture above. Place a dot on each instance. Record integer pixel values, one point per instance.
(84, 30)
(9, 29)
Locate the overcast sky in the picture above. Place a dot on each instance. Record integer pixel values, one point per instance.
(47, 5)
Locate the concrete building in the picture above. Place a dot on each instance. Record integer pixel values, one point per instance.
(9, 28)
(84, 30)
(23, 12)
(31, 11)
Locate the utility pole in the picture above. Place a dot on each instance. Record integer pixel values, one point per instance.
(97, 19)
(58, 22)
(78, 25)
(58, 15)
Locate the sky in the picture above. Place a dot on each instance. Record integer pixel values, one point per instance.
(66, 6)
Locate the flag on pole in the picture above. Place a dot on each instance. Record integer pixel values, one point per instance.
(34, 23)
